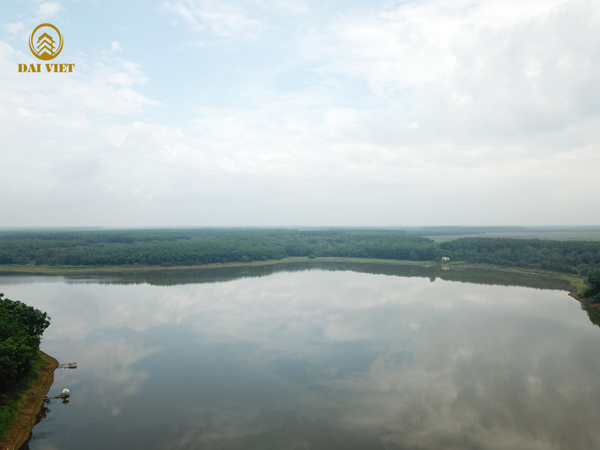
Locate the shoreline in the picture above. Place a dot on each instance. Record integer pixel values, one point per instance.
(25, 419)
(68, 270)
(577, 281)
(585, 302)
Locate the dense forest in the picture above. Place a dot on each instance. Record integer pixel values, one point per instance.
(576, 257)
(21, 329)
(187, 247)
(204, 246)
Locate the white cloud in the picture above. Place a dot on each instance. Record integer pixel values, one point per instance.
(106, 87)
(469, 72)
(289, 6)
(219, 18)
(461, 106)
(48, 10)
(14, 28)
(495, 91)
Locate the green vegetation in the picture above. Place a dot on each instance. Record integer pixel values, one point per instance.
(194, 247)
(13, 400)
(204, 246)
(574, 257)
(592, 292)
(21, 328)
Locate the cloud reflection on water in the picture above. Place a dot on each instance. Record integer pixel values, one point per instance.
(393, 362)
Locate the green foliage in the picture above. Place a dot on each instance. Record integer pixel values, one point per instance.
(11, 404)
(204, 246)
(21, 329)
(6, 418)
(558, 256)
(593, 289)
(8, 411)
(190, 247)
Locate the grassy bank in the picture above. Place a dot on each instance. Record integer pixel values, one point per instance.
(577, 281)
(20, 408)
(68, 270)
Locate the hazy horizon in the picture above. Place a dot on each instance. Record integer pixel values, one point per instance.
(315, 227)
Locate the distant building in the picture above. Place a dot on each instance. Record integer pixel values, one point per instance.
(445, 258)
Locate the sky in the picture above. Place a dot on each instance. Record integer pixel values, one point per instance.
(302, 113)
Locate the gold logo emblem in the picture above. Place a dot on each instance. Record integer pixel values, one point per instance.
(46, 42)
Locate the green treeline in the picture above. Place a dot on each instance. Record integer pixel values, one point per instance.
(204, 246)
(186, 247)
(576, 257)
(21, 329)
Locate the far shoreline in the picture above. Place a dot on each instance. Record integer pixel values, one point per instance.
(576, 281)
(68, 270)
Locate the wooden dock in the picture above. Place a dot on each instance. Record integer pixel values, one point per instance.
(71, 365)
(58, 396)
(64, 395)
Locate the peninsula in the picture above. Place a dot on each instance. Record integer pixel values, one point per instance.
(26, 374)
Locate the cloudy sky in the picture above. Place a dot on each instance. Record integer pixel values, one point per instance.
(302, 112)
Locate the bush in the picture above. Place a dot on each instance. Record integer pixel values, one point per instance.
(593, 289)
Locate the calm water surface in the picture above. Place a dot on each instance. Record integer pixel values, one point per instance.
(335, 358)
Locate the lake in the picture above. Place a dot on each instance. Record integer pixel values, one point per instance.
(319, 356)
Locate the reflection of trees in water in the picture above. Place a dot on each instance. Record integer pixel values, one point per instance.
(41, 416)
(212, 275)
(593, 314)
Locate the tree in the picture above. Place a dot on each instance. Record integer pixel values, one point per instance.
(21, 329)
(593, 289)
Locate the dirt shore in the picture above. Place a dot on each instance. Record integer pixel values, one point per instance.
(34, 399)
(585, 302)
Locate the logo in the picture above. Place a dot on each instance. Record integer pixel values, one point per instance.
(46, 42)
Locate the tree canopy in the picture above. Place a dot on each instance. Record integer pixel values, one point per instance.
(593, 289)
(198, 246)
(21, 329)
